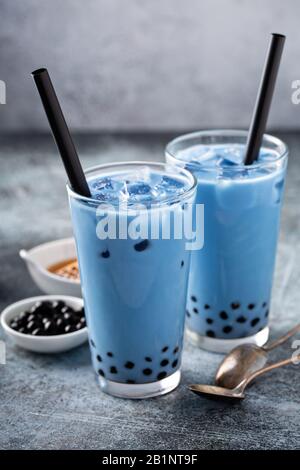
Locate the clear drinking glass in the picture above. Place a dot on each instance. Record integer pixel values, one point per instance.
(134, 290)
(231, 276)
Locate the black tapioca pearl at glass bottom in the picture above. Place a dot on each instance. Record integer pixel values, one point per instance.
(241, 319)
(148, 359)
(223, 315)
(193, 298)
(227, 329)
(147, 371)
(161, 375)
(141, 246)
(264, 304)
(110, 354)
(195, 310)
(254, 321)
(182, 264)
(210, 334)
(164, 362)
(129, 381)
(251, 306)
(101, 372)
(174, 363)
(92, 343)
(175, 350)
(235, 305)
(113, 370)
(99, 358)
(165, 349)
(188, 314)
(129, 365)
(209, 321)
(105, 254)
(267, 313)
(207, 307)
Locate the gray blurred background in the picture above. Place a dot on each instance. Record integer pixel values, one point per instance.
(146, 65)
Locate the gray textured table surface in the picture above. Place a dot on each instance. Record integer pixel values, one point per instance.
(53, 402)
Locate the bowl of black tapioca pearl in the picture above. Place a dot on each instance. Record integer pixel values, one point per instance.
(46, 324)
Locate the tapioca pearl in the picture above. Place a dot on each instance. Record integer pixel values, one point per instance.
(148, 359)
(188, 314)
(223, 315)
(164, 362)
(251, 306)
(280, 184)
(141, 246)
(31, 326)
(129, 365)
(207, 307)
(99, 358)
(101, 372)
(147, 371)
(110, 354)
(175, 350)
(235, 305)
(210, 333)
(255, 321)
(278, 190)
(195, 310)
(182, 263)
(68, 329)
(174, 363)
(193, 298)
(165, 349)
(241, 319)
(264, 304)
(113, 370)
(161, 375)
(92, 343)
(105, 254)
(131, 382)
(37, 332)
(227, 329)
(266, 313)
(209, 321)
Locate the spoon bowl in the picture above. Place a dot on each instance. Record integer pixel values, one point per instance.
(237, 393)
(216, 393)
(242, 360)
(246, 359)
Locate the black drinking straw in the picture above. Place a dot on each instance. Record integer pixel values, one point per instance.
(264, 98)
(61, 132)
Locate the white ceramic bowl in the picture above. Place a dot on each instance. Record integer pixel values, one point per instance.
(39, 258)
(43, 344)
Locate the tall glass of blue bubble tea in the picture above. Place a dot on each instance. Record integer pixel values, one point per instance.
(230, 282)
(134, 273)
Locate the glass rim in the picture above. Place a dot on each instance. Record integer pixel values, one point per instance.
(186, 194)
(282, 150)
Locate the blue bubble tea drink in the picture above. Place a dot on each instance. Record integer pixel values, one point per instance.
(134, 273)
(230, 280)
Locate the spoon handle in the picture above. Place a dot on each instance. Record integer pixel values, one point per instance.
(276, 365)
(277, 342)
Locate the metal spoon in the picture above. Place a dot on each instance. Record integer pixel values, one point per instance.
(237, 393)
(245, 359)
